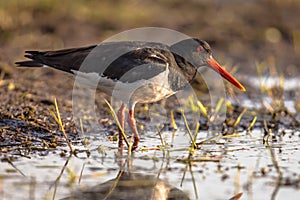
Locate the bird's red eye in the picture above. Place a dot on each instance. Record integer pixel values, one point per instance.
(199, 49)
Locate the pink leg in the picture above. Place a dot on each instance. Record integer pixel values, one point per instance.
(121, 118)
(132, 123)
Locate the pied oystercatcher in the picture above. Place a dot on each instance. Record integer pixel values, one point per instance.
(149, 71)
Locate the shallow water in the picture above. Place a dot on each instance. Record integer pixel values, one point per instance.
(219, 169)
(231, 166)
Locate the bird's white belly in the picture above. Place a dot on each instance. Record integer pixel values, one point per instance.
(141, 91)
(150, 92)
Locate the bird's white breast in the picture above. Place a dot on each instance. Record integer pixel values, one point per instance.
(140, 91)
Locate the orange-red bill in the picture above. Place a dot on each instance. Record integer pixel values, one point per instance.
(213, 64)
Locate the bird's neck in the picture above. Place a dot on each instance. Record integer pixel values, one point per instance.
(181, 74)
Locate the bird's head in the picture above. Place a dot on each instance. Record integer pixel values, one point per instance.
(200, 54)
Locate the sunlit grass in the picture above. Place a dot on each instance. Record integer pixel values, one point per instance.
(114, 115)
(57, 118)
(194, 145)
(238, 120)
(173, 121)
(276, 92)
(250, 127)
(202, 109)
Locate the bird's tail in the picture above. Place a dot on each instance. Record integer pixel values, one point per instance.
(65, 59)
(34, 62)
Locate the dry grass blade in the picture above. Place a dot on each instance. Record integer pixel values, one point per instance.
(81, 172)
(130, 147)
(202, 109)
(173, 122)
(160, 136)
(72, 176)
(250, 127)
(114, 115)
(196, 131)
(219, 105)
(200, 159)
(218, 108)
(193, 181)
(267, 131)
(18, 170)
(233, 135)
(237, 121)
(278, 170)
(192, 105)
(59, 177)
(215, 137)
(188, 162)
(114, 185)
(57, 118)
(281, 86)
(194, 145)
(237, 196)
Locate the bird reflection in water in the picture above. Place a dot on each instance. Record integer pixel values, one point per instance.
(128, 185)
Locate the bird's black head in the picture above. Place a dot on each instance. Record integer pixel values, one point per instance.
(198, 53)
(193, 50)
(202, 47)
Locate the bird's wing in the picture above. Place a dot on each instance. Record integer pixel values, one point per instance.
(124, 61)
(139, 64)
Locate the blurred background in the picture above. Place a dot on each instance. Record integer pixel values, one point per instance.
(243, 34)
(240, 32)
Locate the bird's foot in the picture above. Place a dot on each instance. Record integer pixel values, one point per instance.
(135, 143)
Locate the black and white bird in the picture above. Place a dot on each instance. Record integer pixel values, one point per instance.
(139, 72)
